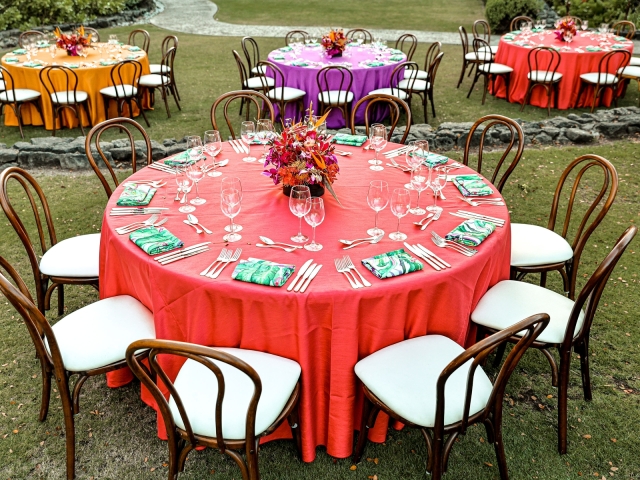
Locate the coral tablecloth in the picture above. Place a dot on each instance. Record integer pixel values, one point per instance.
(575, 61)
(91, 79)
(365, 79)
(328, 328)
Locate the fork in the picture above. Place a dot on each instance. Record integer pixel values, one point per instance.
(435, 217)
(349, 264)
(236, 256)
(148, 221)
(133, 229)
(442, 243)
(221, 257)
(342, 268)
(478, 202)
(151, 183)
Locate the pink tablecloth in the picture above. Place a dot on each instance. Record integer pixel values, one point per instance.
(331, 326)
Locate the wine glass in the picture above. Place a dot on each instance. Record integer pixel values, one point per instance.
(416, 155)
(378, 199)
(400, 203)
(378, 139)
(314, 36)
(113, 39)
(186, 186)
(247, 133)
(232, 183)
(437, 183)
(585, 25)
(420, 182)
(213, 146)
(359, 37)
(196, 174)
(265, 134)
(299, 207)
(194, 148)
(314, 217)
(230, 204)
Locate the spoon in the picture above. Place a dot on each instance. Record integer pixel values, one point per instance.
(349, 242)
(192, 225)
(421, 222)
(194, 221)
(289, 250)
(268, 241)
(375, 240)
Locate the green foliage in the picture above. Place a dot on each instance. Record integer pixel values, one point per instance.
(599, 11)
(499, 13)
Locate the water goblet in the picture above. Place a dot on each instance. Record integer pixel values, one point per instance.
(232, 183)
(420, 182)
(359, 37)
(230, 204)
(299, 207)
(378, 199)
(314, 36)
(196, 174)
(185, 186)
(416, 155)
(378, 140)
(265, 134)
(400, 203)
(113, 39)
(585, 25)
(314, 217)
(194, 148)
(178, 173)
(213, 146)
(247, 133)
(437, 183)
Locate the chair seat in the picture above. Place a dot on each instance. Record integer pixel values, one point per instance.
(634, 62)
(510, 301)
(544, 76)
(404, 377)
(154, 80)
(605, 78)
(198, 389)
(259, 82)
(289, 93)
(493, 49)
(335, 97)
(76, 257)
(2, 86)
(21, 95)
(419, 74)
(159, 68)
(259, 70)
(495, 68)
(480, 56)
(630, 71)
(532, 245)
(120, 91)
(99, 334)
(417, 86)
(65, 98)
(396, 92)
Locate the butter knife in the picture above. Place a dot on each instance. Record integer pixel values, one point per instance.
(433, 255)
(311, 277)
(190, 253)
(300, 273)
(177, 252)
(418, 253)
(233, 145)
(304, 277)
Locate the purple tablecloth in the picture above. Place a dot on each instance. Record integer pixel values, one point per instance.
(365, 78)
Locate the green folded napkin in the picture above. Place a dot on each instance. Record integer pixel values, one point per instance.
(133, 57)
(135, 195)
(471, 232)
(618, 46)
(11, 60)
(515, 32)
(620, 39)
(395, 51)
(472, 185)
(316, 44)
(396, 58)
(431, 159)
(285, 49)
(155, 240)
(392, 264)
(347, 139)
(299, 63)
(71, 65)
(593, 49)
(32, 64)
(277, 56)
(181, 159)
(374, 63)
(106, 63)
(43, 45)
(19, 51)
(263, 272)
(134, 48)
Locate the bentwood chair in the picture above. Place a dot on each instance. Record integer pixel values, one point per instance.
(588, 184)
(359, 33)
(127, 126)
(74, 261)
(261, 102)
(252, 54)
(168, 42)
(95, 35)
(543, 72)
(140, 38)
(89, 342)
(576, 20)
(258, 83)
(67, 98)
(125, 91)
(481, 29)
(568, 328)
(483, 125)
(432, 52)
(330, 98)
(628, 73)
(433, 384)
(608, 76)
(401, 82)
(378, 101)
(624, 28)
(275, 89)
(163, 82)
(294, 35)
(30, 36)
(408, 44)
(223, 398)
(469, 58)
(16, 98)
(423, 88)
(489, 70)
(517, 21)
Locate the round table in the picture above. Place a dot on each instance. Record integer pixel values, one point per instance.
(331, 326)
(576, 59)
(365, 78)
(92, 77)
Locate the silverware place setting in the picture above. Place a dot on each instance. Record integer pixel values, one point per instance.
(476, 202)
(299, 275)
(307, 272)
(346, 266)
(498, 222)
(442, 243)
(268, 243)
(162, 168)
(115, 211)
(192, 220)
(225, 258)
(182, 253)
(302, 287)
(151, 183)
(432, 259)
(150, 222)
(372, 240)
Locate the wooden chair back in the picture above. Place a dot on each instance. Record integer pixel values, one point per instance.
(403, 71)
(381, 100)
(367, 36)
(487, 122)
(64, 76)
(482, 50)
(9, 86)
(127, 72)
(481, 29)
(464, 40)
(408, 44)
(242, 70)
(335, 73)
(293, 34)
(29, 36)
(141, 36)
(170, 41)
(259, 100)
(95, 35)
(611, 64)
(544, 59)
(517, 21)
(167, 65)
(122, 124)
(433, 69)
(274, 72)
(432, 52)
(621, 26)
(251, 53)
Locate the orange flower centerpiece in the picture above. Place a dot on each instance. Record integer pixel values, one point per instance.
(566, 29)
(334, 43)
(73, 43)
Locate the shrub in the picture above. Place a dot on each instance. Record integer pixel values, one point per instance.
(601, 11)
(499, 13)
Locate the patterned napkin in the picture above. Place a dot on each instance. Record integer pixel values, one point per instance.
(285, 49)
(313, 44)
(133, 57)
(277, 56)
(395, 51)
(515, 32)
(392, 264)
(19, 51)
(374, 63)
(180, 160)
(592, 48)
(263, 272)
(134, 48)
(618, 46)
(106, 63)
(135, 195)
(70, 65)
(42, 44)
(431, 159)
(620, 39)
(471, 232)
(155, 240)
(396, 58)
(299, 63)
(32, 64)
(11, 60)
(346, 139)
(471, 185)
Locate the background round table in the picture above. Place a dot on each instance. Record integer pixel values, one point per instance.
(331, 326)
(92, 77)
(575, 61)
(365, 79)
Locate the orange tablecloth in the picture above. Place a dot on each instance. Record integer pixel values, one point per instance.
(575, 61)
(91, 79)
(331, 326)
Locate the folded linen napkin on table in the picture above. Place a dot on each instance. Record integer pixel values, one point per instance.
(618, 46)
(472, 186)
(471, 232)
(155, 240)
(263, 272)
(134, 48)
(286, 49)
(347, 139)
(392, 264)
(277, 56)
(620, 39)
(11, 59)
(181, 159)
(70, 65)
(106, 63)
(395, 51)
(592, 48)
(135, 195)
(374, 63)
(42, 44)
(299, 63)
(396, 58)
(19, 51)
(515, 32)
(431, 159)
(32, 64)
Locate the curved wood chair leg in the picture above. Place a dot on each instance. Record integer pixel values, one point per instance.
(144, 115)
(244, 471)
(294, 423)
(369, 415)
(563, 387)
(584, 370)
(554, 366)
(473, 84)
(165, 94)
(485, 88)
(76, 393)
(464, 70)
(18, 109)
(498, 446)
(252, 461)
(60, 300)
(69, 427)
(499, 354)
(46, 392)
(543, 279)
(175, 96)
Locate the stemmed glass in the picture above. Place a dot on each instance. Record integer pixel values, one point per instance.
(437, 183)
(415, 156)
(113, 39)
(186, 186)
(213, 146)
(378, 139)
(178, 177)
(585, 25)
(359, 37)
(230, 204)
(378, 199)
(247, 133)
(420, 182)
(314, 36)
(265, 134)
(194, 148)
(232, 183)
(400, 203)
(299, 207)
(196, 174)
(314, 217)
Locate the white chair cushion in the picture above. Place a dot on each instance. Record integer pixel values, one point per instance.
(159, 68)
(482, 56)
(122, 91)
(77, 257)
(335, 97)
(153, 80)
(290, 93)
(198, 389)
(493, 49)
(544, 76)
(630, 71)
(495, 68)
(419, 74)
(404, 377)
(509, 302)
(22, 95)
(396, 92)
(261, 70)
(259, 82)
(634, 62)
(605, 78)
(99, 334)
(68, 97)
(2, 87)
(417, 86)
(532, 245)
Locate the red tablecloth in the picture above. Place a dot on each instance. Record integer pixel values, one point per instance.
(575, 61)
(328, 328)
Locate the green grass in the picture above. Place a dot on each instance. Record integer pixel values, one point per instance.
(119, 441)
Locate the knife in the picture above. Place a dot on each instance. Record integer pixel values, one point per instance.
(186, 249)
(418, 253)
(185, 255)
(233, 145)
(433, 255)
(304, 277)
(311, 277)
(302, 270)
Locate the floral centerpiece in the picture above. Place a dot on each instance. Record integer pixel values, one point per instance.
(301, 155)
(334, 43)
(73, 43)
(566, 29)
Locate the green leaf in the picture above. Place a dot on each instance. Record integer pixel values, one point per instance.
(330, 188)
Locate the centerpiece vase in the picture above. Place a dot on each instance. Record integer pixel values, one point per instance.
(336, 55)
(316, 190)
